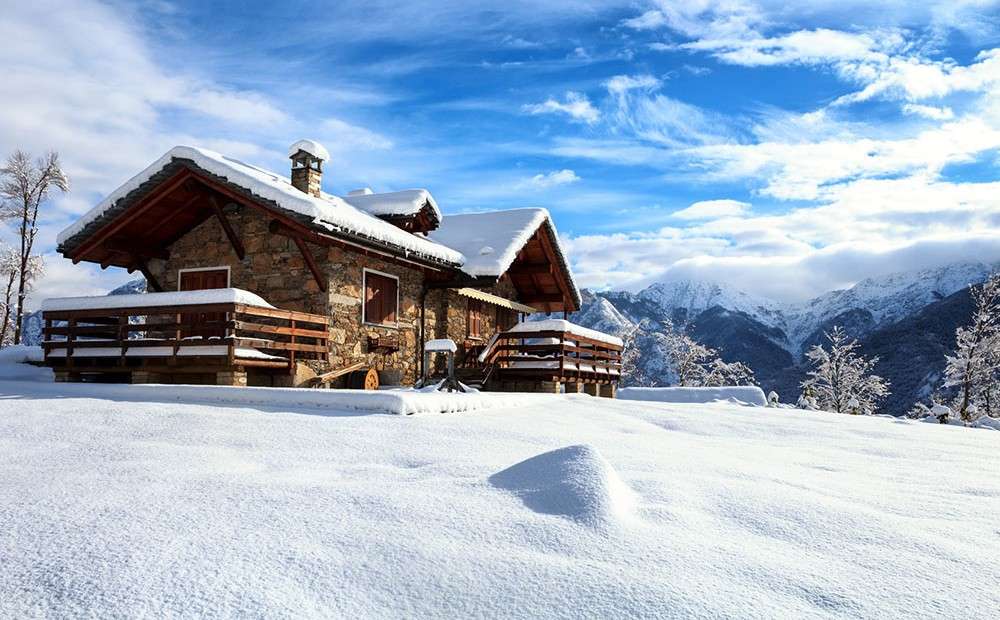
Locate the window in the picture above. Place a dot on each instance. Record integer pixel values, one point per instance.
(474, 318)
(381, 298)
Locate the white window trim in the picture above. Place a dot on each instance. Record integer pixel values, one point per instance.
(227, 268)
(364, 291)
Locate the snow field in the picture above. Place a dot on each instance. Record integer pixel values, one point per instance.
(562, 507)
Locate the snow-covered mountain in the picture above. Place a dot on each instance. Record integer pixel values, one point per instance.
(771, 336)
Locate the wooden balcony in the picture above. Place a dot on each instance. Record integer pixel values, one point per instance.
(129, 333)
(554, 351)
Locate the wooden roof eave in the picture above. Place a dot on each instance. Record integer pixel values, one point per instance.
(155, 190)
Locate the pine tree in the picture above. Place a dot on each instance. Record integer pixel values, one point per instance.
(24, 186)
(841, 379)
(973, 369)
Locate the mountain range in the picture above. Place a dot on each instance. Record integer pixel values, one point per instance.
(907, 319)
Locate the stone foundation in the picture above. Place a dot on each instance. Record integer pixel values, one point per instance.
(608, 390)
(230, 377)
(142, 376)
(591, 388)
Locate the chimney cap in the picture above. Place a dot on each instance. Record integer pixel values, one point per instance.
(311, 147)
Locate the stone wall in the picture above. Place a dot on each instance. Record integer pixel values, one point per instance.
(349, 335)
(274, 269)
(272, 266)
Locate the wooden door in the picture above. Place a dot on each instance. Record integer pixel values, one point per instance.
(204, 324)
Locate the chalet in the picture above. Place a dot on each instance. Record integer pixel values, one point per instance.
(263, 279)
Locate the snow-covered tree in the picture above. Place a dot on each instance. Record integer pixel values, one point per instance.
(632, 370)
(773, 400)
(25, 184)
(973, 369)
(697, 365)
(841, 379)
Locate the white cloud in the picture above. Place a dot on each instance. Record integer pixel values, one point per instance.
(620, 84)
(713, 209)
(871, 227)
(943, 113)
(576, 105)
(650, 20)
(341, 136)
(551, 179)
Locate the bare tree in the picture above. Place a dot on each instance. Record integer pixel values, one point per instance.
(841, 380)
(974, 366)
(25, 185)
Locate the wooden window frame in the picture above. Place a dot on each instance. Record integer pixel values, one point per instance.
(226, 268)
(364, 298)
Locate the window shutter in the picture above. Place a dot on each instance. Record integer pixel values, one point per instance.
(380, 298)
(389, 297)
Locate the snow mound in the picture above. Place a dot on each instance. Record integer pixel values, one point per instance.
(743, 395)
(575, 482)
(15, 363)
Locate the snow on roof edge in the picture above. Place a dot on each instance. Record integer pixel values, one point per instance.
(330, 212)
(562, 325)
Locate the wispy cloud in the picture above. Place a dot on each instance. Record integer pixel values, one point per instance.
(713, 209)
(550, 179)
(575, 105)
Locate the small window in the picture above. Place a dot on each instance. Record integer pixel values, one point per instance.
(474, 318)
(381, 298)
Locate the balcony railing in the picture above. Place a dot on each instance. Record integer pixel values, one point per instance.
(172, 329)
(554, 350)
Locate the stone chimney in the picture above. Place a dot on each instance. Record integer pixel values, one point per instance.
(307, 166)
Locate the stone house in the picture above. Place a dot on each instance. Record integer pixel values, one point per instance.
(380, 273)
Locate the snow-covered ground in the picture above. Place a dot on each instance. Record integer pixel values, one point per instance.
(116, 501)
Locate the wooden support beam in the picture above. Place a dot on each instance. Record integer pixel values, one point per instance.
(151, 280)
(310, 262)
(234, 240)
(279, 228)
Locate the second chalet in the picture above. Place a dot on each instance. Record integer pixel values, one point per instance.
(257, 278)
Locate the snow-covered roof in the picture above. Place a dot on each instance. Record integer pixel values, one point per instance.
(480, 244)
(312, 147)
(176, 298)
(403, 202)
(328, 212)
(490, 241)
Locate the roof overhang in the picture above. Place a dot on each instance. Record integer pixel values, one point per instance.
(496, 300)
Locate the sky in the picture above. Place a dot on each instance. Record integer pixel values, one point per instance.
(785, 148)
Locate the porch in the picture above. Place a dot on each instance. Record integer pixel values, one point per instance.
(551, 356)
(219, 336)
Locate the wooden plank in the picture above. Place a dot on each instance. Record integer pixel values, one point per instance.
(136, 251)
(280, 346)
(278, 329)
(305, 317)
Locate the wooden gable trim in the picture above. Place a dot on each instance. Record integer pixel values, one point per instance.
(115, 225)
(310, 262)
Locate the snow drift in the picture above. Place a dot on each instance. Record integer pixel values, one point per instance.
(575, 482)
(743, 395)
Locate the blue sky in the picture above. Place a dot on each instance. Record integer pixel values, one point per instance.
(787, 150)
